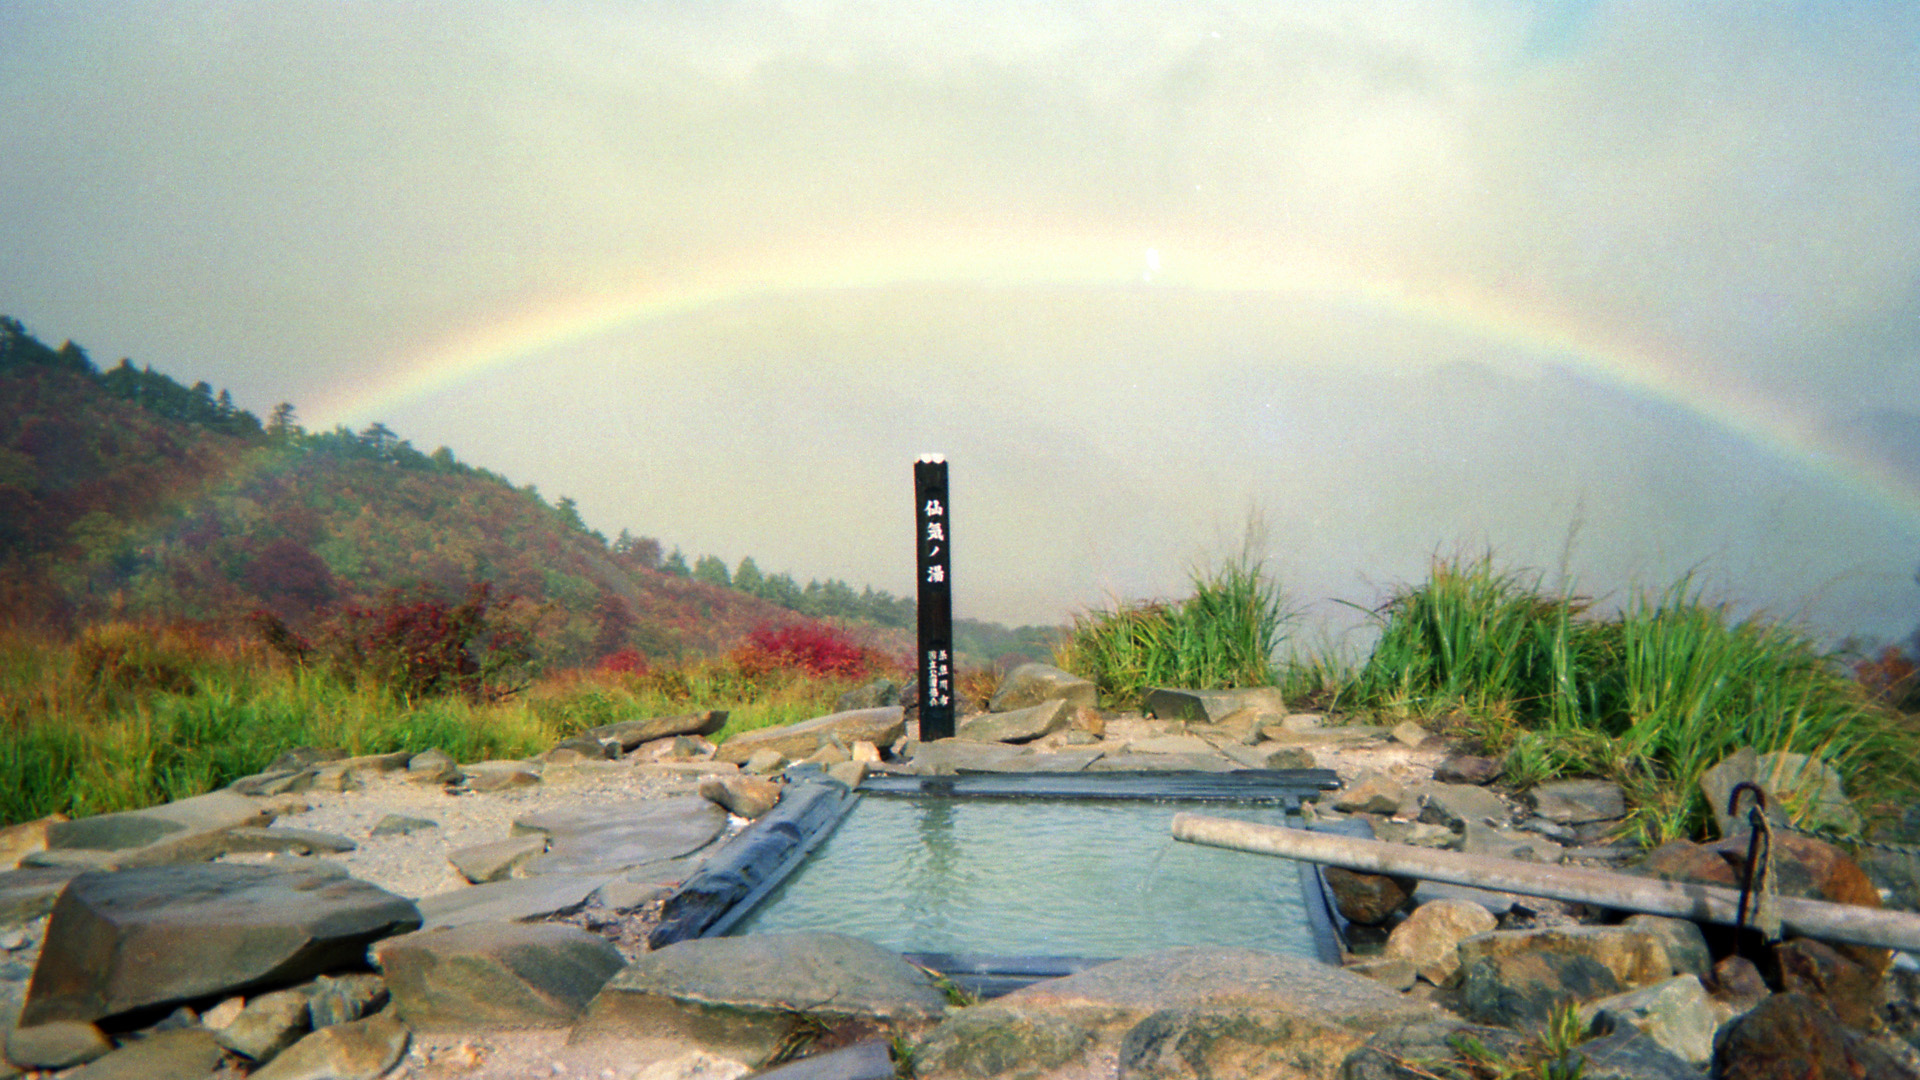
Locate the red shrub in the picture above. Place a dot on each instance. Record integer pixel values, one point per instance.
(627, 661)
(814, 648)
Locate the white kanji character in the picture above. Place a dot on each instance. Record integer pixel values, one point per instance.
(936, 531)
(936, 574)
(934, 509)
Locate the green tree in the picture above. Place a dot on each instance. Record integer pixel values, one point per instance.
(748, 579)
(676, 565)
(711, 570)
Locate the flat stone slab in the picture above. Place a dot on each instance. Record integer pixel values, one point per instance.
(742, 997)
(1058, 761)
(496, 975)
(138, 828)
(509, 901)
(1016, 725)
(141, 938)
(631, 733)
(1162, 762)
(881, 727)
(26, 895)
(948, 756)
(1032, 684)
(1210, 706)
(612, 838)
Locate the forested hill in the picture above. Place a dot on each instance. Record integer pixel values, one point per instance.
(125, 495)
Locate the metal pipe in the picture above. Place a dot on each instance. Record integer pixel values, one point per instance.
(1701, 903)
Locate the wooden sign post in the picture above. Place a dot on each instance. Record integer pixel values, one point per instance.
(934, 529)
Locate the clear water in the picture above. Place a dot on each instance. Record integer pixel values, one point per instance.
(1038, 878)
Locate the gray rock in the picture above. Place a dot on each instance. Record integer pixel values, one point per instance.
(1467, 769)
(253, 838)
(1017, 725)
(143, 938)
(216, 810)
(1676, 1013)
(274, 782)
(949, 756)
(871, 696)
(434, 766)
(1032, 684)
(498, 859)
(764, 762)
(746, 796)
(1479, 839)
(1172, 744)
(1416, 834)
(1577, 802)
(1408, 733)
(1686, 946)
(1269, 756)
(360, 1050)
(509, 901)
(1210, 706)
(795, 741)
(1209, 762)
(1249, 1011)
(1059, 761)
(19, 840)
(402, 825)
(868, 1059)
(587, 748)
(495, 975)
(1521, 989)
(26, 895)
(57, 1044)
(485, 776)
(850, 773)
(1429, 938)
(186, 1054)
(1426, 1048)
(268, 1024)
(743, 997)
(618, 836)
(1630, 1055)
(1453, 805)
(339, 999)
(631, 733)
(1813, 785)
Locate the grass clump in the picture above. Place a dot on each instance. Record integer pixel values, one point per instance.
(1651, 697)
(1224, 635)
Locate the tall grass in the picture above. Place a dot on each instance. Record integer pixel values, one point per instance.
(1652, 697)
(1224, 635)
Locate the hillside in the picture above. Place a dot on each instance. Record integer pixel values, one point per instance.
(124, 495)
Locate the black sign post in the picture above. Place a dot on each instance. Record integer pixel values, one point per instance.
(934, 526)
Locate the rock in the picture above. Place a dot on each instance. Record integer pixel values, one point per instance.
(186, 1054)
(218, 810)
(746, 796)
(1428, 1048)
(764, 762)
(1453, 805)
(16, 841)
(743, 997)
(1017, 725)
(828, 754)
(1210, 706)
(1790, 780)
(253, 838)
(1522, 989)
(360, 1050)
(613, 838)
(1032, 684)
(434, 766)
(1408, 733)
(629, 734)
(498, 859)
(1736, 984)
(1391, 971)
(268, 1024)
(138, 939)
(794, 741)
(873, 695)
(1269, 756)
(402, 825)
(1429, 938)
(511, 900)
(1686, 946)
(56, 1044)
(583, 748)
(495, 975)
(1182, 1012)
(1480, 839)
(1575, 802)
(1371, 793)
(1467, 769)
(1187, 745)
(483, 776)
(850, 773)
(1676, 1013)
(1628, 1054)
(1368, 899)
(338, 999)
(1636, 956)
(1851, 989)
(1207, 762)
(1795, 1037)
(868, 1059)
(28, 894)
(1416, 833)
(949, 756)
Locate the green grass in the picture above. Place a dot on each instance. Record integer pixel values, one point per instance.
(1223, 635)
(1651, 697)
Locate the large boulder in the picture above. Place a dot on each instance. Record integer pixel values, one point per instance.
(743, 997)
(139, 828)
(1211, 706)
(1183, 1012)
(881, 727)
(1516, 978)
(1795, 1037)
(1017, 725)
(1429, 938)
(137, 939)
(496, 975)
(1804, 784)
(1033, 684)
(358, 1050)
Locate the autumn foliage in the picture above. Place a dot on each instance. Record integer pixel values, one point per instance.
(816, 649)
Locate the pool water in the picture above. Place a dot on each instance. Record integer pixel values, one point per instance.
(1039, 878)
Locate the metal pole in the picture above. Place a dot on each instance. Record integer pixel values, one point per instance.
(934, 521)
(1700, 903)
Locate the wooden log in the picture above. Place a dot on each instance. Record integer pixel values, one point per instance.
(1686, 900)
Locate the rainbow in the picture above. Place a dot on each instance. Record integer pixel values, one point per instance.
(1526, 326)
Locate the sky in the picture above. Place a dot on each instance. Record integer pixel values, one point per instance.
(1615, 291)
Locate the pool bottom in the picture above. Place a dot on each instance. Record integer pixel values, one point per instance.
(1030, 889)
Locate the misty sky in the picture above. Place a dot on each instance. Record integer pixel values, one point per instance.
(1617, 289)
